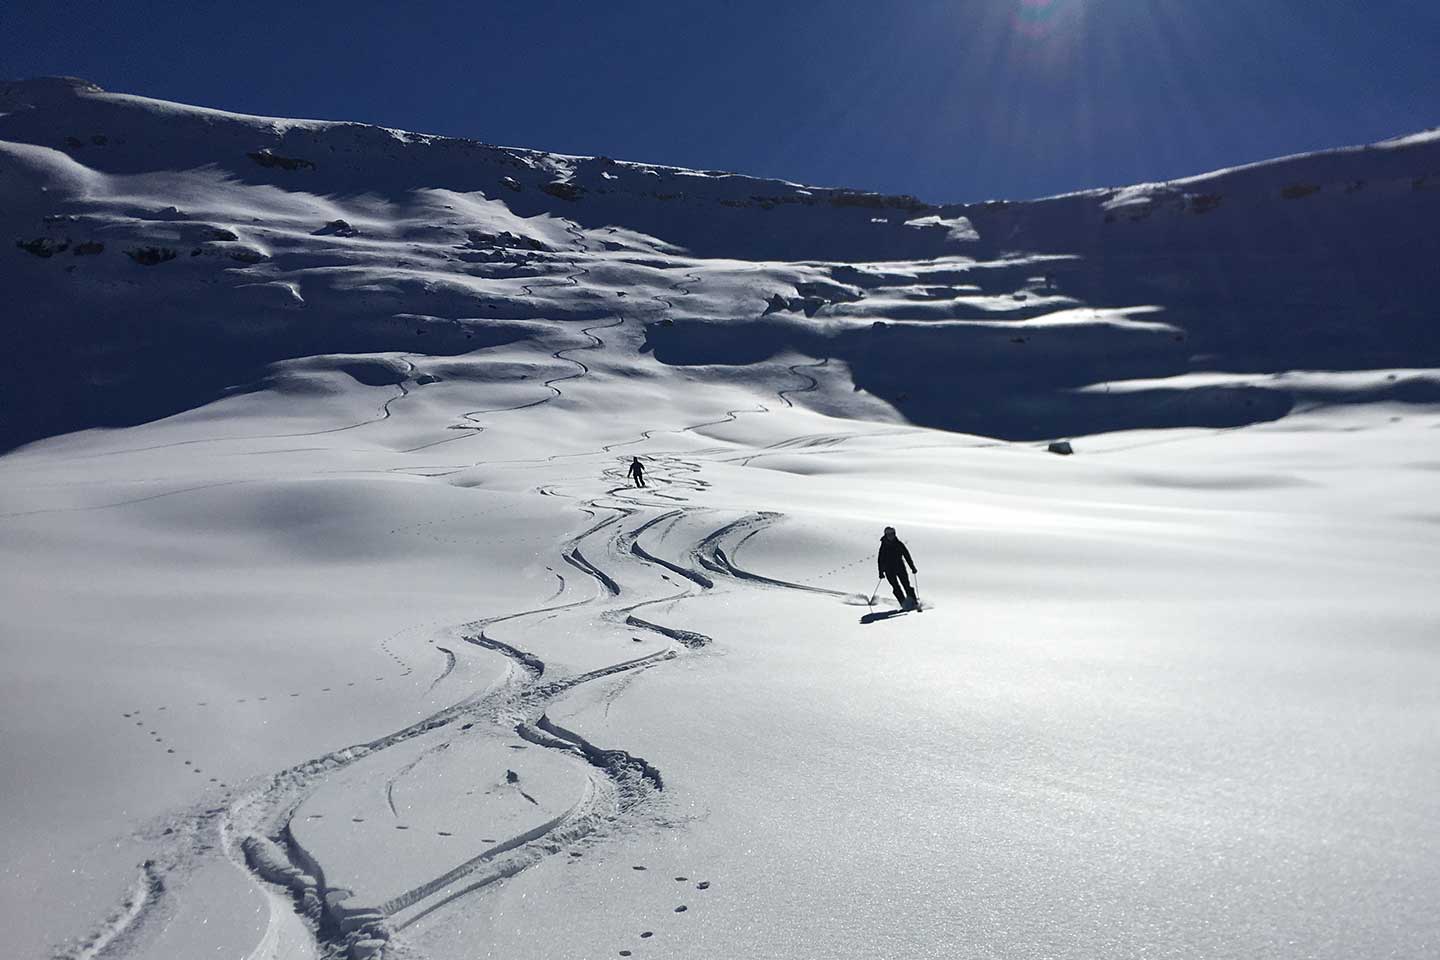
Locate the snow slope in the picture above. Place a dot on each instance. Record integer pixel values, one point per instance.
(332, 627)
(166, 253)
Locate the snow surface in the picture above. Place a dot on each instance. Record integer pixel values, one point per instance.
(333, 627)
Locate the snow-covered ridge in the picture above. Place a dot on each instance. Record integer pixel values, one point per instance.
(165, 252)
(55, 112)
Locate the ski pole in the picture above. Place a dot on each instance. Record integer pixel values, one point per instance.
(871, 601)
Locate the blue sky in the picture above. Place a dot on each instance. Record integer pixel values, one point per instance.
(946, 99)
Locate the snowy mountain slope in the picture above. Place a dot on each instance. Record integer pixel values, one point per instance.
(366, 647)
(134, 217)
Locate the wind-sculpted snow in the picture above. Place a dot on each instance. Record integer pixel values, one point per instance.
(165, 254)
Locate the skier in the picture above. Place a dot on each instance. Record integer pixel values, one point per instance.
(892, 559)
(637, 472)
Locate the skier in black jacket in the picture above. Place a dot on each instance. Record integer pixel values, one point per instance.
(637, 472)
(892, 559)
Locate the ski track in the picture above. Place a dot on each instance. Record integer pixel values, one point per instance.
(473, 428)
(710, 553)
(633, 541)
(730, 417)
(402, 391)
(126, 503)
(256, 826)
(255, 830)
(620, 782)
(125, 922)
(808, 387)
(449, 667)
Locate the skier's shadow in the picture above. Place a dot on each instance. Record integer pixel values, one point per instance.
(879, 615)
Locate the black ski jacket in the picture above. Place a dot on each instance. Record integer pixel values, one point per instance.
(893, 556)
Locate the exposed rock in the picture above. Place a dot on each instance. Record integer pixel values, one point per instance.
(876, 201)
(512, 183)
(1061, 447)
(1297, 190)
(336, 228)
(1204, 202)
(563, 189)
(162, 214)
(506, 239)
(89, 248)
(150, 256)
(809, 305)
(43, 246)
(247, 255)
(267, 159)
(830, 292)
(772, 201)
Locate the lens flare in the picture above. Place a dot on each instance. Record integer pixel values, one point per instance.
(1038, 18)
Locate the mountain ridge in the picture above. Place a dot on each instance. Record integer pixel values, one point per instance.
(57, 89)
(166, 253)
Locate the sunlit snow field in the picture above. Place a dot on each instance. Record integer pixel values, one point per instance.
(381, 654)
(1176, 692)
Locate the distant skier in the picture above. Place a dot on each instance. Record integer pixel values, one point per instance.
(637, 472)
(892, 559)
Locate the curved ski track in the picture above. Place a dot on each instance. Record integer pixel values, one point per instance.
(473, 428)
(807, 388)
(385, 412)
(619, 783)
(255, 831)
